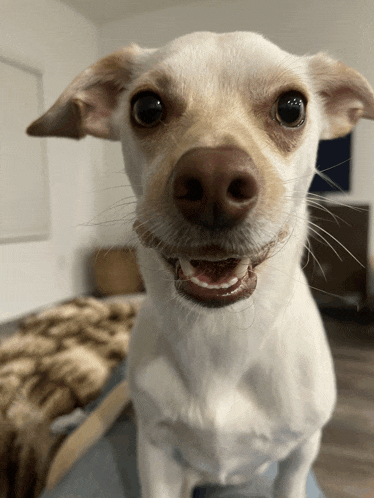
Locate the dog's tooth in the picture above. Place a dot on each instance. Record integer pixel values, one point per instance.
(242, 268)
(187, 268)
(199, 282)
(214, 286)
(189, 271)
(229, 284)
(224, 286)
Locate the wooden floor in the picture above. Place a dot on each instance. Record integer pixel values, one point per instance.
(345, 466)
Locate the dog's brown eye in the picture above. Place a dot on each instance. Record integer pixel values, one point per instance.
(290, 109)
(147, 109)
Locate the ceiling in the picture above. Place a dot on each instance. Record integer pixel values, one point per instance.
(102, 11)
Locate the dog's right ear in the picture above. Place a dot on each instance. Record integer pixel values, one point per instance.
(86, 107)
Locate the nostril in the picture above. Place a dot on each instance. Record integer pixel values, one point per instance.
(242, 189)
(189, 189)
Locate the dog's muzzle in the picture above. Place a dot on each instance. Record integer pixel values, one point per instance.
(215, 188)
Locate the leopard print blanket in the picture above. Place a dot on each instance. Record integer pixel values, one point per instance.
(58, 360)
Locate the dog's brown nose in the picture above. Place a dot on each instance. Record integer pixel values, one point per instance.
(215, 187)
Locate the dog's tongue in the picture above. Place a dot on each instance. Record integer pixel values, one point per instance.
(223, 273)
(214, 272)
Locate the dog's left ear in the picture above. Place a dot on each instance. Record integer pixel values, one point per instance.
(86, 107)
(347, 96)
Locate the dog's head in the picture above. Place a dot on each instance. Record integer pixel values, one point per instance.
(219, 135)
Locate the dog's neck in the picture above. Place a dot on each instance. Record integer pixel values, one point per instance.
(225, 341)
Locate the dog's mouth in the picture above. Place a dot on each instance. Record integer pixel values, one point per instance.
(209, 275)
(215, 283)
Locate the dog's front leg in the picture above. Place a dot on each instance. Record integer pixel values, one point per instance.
(160, 475)
(293, 471)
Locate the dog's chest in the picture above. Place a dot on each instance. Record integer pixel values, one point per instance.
(227, 434)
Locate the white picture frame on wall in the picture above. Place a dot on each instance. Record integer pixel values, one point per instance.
(24, 183)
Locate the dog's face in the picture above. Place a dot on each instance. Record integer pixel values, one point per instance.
(220, 135)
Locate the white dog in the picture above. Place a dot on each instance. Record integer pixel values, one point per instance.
(229, 367)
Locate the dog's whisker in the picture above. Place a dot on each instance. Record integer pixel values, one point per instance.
(322, 207)
(110, 222)
(321, 174)
(307, 284)
(308, 249)
(311, 253)
(118, 204)
(313, 227)
(297, 178)
(338, 242)
(330, 182)
(112, 187)
(334, 166)
(334, 202)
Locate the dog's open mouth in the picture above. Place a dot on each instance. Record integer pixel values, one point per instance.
(208, 275)
(215, 283)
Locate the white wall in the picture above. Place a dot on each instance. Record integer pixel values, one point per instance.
(48, 36)
(345, 29)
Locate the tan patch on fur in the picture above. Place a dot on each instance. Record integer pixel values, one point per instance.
(87, 103)
(264, 98)
(285, 231)
(154, 139)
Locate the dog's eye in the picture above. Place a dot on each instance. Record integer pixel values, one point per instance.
(290, 109)
(147, 109)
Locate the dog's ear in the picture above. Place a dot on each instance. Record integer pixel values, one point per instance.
(346, 94)
(86, 107)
